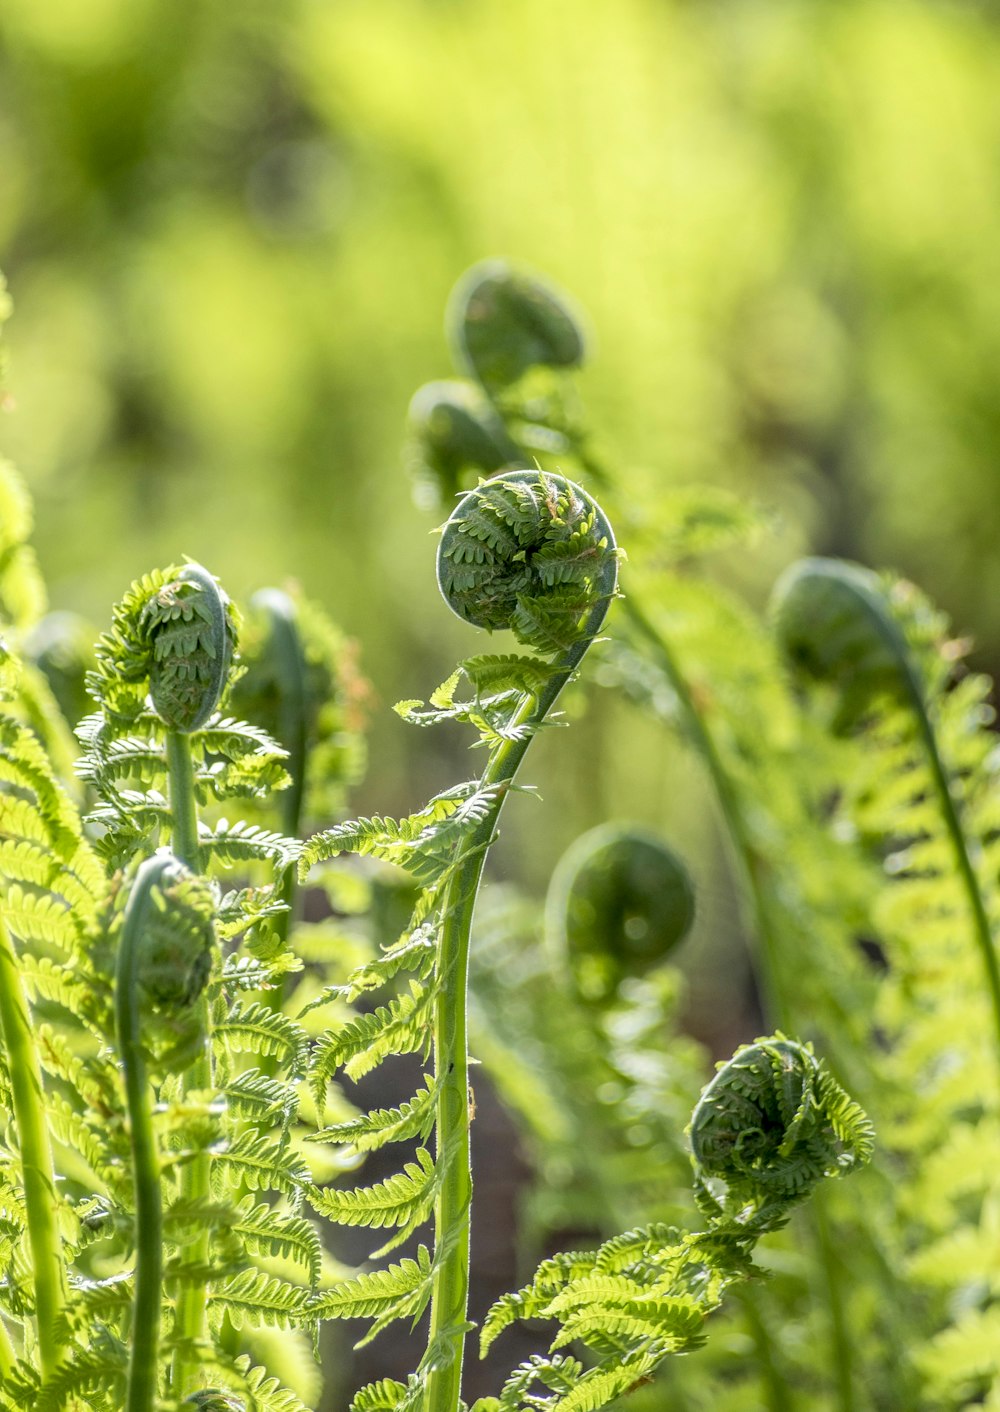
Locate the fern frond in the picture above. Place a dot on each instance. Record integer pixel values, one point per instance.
(255, 1299)
(259, 1029)
(399, 1291)
(260, 1165)
(401, 1027)
(370, 1131)
(240, 842)
(401, 1200)
(260, 1098)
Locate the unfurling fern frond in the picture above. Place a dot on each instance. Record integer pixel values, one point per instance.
(533, 554)
(770, 1126)
(918, 789)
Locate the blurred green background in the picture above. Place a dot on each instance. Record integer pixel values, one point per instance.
(230, 230)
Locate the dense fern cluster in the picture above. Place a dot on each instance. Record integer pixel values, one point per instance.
(173, 1035)
(862, 838)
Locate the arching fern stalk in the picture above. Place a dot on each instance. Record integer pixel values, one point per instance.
(532, 553)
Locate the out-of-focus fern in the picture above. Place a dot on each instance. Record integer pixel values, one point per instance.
(921, 796)
(701, 662)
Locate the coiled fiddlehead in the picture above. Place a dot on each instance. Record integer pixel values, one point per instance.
(619, 902)
(172, 638)
(771, 1125)
(504, 322)
(189, 628)
(834, 624)
(455, 435)
(164, 960)
(532, 553)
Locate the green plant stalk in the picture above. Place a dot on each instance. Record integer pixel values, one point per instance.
(292, 734)
(970, 882)
(450, 1284)
(774, 1001)
(27, 1101)
(7, 1355)
(190, 1324)
(894, 638)
(143, 1359)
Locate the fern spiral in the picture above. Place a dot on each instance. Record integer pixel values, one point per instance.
(620, 901)
(771, 1125)
(506, 321)
(189, 629)
(832, 625)
(532, 553)
(835, 623)
(164, 959)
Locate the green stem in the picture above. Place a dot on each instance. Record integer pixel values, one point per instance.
(773, 998)
(143, 1360)
(37, 1171)
(895, 639)
(970, 882)
(450, 1285)
(190, 1322)
(183, 802)
(8, 1356)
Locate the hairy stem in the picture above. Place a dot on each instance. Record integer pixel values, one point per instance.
(27, 1100)
(190, 1326)
(143, 1359)
(450, 1288)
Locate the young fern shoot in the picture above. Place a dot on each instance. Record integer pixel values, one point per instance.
(532, 553)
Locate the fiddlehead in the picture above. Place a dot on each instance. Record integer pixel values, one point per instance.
(835, 624)
(164, 959)
(505, 322)
(455, 435)
(534, 554)
(531, 553)
(770, 1126)
(619, 902)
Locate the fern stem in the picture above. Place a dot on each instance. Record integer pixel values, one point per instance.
(190, 1323)
(28, 1103)
(450, 1286)
(970, 882)
(773, 998)
(778, 1397)
(143, 1360)
(748, 861)
(183, 804)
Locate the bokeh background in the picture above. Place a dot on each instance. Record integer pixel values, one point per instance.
(230, 230)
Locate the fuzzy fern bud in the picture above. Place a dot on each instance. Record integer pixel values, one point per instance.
(533, 553)
(619, 903)
(504, 321)
(455, 436)
(770, 1126)
(833, 624)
